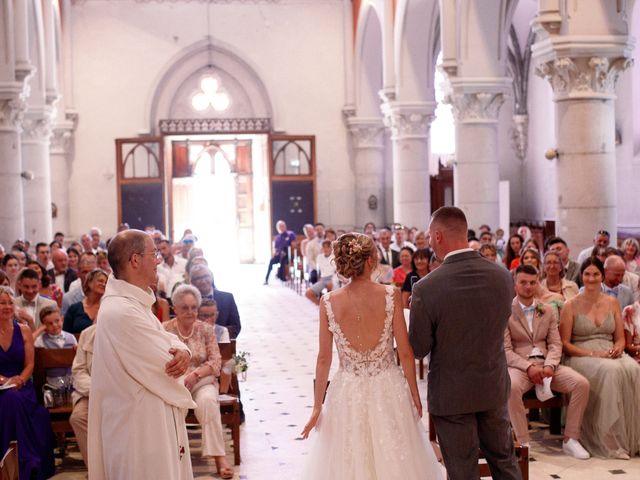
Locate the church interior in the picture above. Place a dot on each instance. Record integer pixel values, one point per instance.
(218, 118)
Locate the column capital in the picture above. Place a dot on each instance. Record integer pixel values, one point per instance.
(477, 100)
(366, 132)
(37, 124)
(409, 119)
(62, 135)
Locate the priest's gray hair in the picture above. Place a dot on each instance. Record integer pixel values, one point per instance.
(177, 298)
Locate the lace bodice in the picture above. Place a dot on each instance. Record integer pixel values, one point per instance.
(369, 362)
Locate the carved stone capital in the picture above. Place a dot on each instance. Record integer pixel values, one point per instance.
(409, 120)
(61, 140)
(583, 77)
(12, 113)
(520, 135)
(37, 125)
(475, 107)
(366, 132)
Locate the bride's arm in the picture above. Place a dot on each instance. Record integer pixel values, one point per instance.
(323, 365)
(405, 352)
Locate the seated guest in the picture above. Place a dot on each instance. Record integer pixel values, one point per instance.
(631, 250)
(554, 280)
(81, 373)
(326, 271)
(54, 337)
(614, 271)
(600, 242)
(281, 243)
(421, 240)
(533, 348)
(388, 256)
(21, 418)
(401, 271)
(87, 263)
(489, 251)
(512, 256)
(172, 267)
(11, 267)
(419, 269)
(330, 234)
(4, 280)
(400, 240)
(103, 262)
(631, 317)
(370, 230)
(61, 274)
(530, 256)
(160, 308)
(81, 315)
(208, 313)
(592, 333)
(201, 378)
(48, 289)
(31, 303)
(571, 268)
(202, 279)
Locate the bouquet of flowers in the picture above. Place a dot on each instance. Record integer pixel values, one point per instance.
(241, 363)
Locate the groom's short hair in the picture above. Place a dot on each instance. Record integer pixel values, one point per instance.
(452, 218)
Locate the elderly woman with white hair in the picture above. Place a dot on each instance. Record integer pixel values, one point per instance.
(201, 378)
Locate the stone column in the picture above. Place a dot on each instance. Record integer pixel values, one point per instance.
(61, 154)
(367, 135)
(410, 123)
(12, 105)
(37, 125)
(584, 94)
(476, 103)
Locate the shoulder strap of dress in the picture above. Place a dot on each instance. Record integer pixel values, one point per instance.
(389, 306)
(327, 304)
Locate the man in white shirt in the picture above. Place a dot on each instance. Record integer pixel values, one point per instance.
(326, 272)
(138, 397)
(30, 303)
(172, 268)
(400, 240)
(601, 239)
(86, 263)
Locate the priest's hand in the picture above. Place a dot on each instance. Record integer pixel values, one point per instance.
(178, 364)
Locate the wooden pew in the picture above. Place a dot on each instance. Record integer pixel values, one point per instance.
(522, 455)
(229, 409)
(554, 405)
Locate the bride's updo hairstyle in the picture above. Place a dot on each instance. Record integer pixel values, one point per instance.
(351, 252)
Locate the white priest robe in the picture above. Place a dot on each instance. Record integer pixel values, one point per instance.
(136, 411)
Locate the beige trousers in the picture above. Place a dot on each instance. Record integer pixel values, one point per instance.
(208, 415)
(79, 420)
(565, 380)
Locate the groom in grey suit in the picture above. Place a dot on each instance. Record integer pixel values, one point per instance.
(459, 313)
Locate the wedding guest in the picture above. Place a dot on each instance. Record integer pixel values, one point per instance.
(419, 269)
(400, 240)
(592, 333)
(554, 280)
(61, 273)
(21, 418)
(512, 256)
(631, 250)
(208, 313)
(4, 280)
(103, 262)
(388, 256)
(74, 257)
(421, 240)
(160, 308)
(489, 252)
(47, 288)
(281, 243)
(330, 234)
(400, 272)
(600, 241)
(201, 376)
(54, 337)
(530, 256)
(87, 264)
(30, 303)
(571, 268)
(11, 267)
(81, 373)
(172, 268)
(631, 317)
(82, 315)
(326, 271)
(614, 271)
(533, 348)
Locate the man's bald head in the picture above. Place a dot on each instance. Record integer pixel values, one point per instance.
(614, 261)
(614, 269)
(122, 247)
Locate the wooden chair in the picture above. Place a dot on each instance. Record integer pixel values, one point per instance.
(46, 358)
(229, 409)
(9, 465)
(522, 455)
(554, 405)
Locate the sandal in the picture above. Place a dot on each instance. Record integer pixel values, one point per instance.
(226, 472)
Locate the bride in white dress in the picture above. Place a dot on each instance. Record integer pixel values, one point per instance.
(369, 426)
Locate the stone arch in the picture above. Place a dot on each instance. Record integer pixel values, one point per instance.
(250, 98)
(368, 62)
(417, 43)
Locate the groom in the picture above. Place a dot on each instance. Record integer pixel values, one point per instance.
(459, 314)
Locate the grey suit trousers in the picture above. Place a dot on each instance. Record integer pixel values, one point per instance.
(461, 436)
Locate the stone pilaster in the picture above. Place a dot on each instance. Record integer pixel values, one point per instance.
(476, 104)
(61, 154)
(410, 124)
(367, 140)
(582, 72)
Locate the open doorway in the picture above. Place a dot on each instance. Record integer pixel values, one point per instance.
(220, 190)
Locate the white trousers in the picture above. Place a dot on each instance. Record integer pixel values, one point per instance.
(208, 415)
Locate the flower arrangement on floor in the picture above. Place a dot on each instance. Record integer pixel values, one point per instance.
(241, 364)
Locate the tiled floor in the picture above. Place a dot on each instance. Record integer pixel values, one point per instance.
(280, 331)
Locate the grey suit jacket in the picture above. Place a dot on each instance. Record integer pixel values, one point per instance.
(572, 272)
(459, 313)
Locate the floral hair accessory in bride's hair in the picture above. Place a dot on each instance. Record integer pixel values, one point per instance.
(354, 247)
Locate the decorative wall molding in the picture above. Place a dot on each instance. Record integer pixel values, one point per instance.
(366, 132)
(215, 125)
(583, 77)
(409, 120)
(520, 136)
(82, 2)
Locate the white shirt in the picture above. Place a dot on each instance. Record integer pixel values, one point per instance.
(60, 281)
(529, 313)
(396, 248)
(173, 274)
(326, 265)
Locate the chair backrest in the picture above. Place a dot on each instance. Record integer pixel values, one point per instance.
(9, 468)
(46, 358)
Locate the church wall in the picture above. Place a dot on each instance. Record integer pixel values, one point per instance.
(121, 48)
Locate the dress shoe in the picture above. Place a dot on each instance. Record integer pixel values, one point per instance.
(572, 447)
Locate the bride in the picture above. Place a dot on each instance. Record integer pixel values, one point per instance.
(369, 427)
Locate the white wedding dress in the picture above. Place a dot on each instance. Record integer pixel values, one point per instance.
(369, 428)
